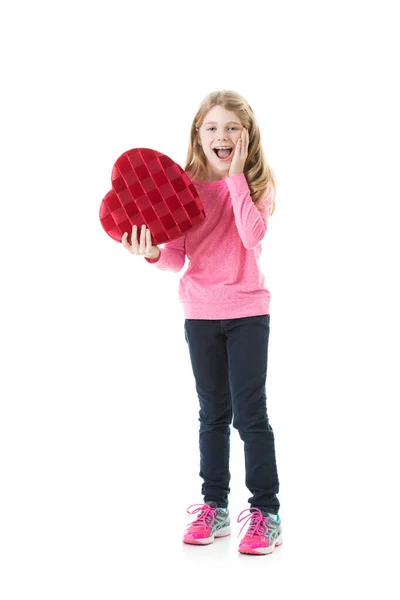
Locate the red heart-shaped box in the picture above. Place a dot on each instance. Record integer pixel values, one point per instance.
(150, 188)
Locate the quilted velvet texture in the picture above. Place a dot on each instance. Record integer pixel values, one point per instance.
(149, 188)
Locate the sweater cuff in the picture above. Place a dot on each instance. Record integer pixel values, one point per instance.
(154, 260)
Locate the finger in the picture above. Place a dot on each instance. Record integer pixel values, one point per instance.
(125, 242)
(142, 240)
(148, 240)
(241, 147)
(245, 142)
(134, 242)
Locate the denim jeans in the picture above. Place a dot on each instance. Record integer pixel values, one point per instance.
(229, 361)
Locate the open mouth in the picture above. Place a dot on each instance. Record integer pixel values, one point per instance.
(223, 154)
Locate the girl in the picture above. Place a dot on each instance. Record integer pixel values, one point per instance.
(226, 307)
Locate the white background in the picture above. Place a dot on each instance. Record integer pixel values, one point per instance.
(99, 414)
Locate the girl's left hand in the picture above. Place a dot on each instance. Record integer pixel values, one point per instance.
(241, 152)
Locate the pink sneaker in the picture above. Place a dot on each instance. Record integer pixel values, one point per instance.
(212, 522)
(263, 535)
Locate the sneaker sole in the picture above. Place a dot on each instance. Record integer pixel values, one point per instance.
(189, 539)
(248, 550)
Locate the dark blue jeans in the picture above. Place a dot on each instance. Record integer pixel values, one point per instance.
(229, 361)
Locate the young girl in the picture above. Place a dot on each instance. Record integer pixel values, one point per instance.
(226, 307)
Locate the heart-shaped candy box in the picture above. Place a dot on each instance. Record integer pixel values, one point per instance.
(150, 188)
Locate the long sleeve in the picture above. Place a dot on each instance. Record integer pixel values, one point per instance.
(172, 255)
(250, 222)
(223, 279)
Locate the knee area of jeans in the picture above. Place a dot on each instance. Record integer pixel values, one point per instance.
(254, 426)
(222, 419)
(207, 425)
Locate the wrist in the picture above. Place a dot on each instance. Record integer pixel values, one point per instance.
(154, 255)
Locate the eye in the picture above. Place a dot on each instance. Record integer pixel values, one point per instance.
(209, 128)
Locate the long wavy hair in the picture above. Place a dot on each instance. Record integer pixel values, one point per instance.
(257, 171)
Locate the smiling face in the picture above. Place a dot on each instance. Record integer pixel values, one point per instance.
(220, 127)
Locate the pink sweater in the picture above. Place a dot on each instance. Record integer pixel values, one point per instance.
(223, 279)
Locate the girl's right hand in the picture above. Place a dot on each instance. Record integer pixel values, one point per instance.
(145, 248)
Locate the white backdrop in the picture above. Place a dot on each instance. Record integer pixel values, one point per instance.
(99, 415)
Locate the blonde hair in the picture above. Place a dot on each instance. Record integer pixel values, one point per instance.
(257, 171)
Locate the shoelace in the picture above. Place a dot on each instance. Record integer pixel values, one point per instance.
(206, 511)
(258, 525)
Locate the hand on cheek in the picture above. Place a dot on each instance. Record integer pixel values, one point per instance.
(240, 153)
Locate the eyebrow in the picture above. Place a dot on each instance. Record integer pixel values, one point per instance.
(215, 123)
